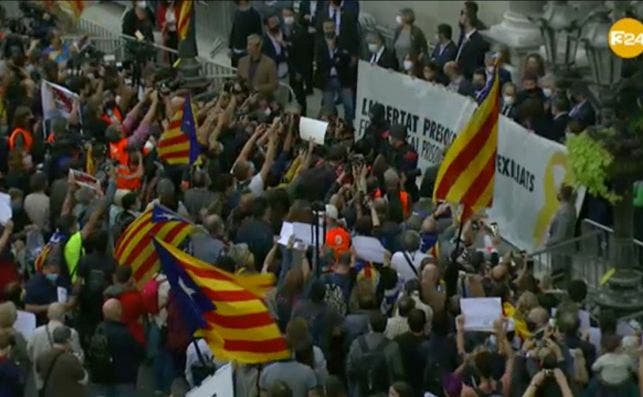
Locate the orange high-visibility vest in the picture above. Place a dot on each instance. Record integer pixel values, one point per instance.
(26, 137)
(118, 152)
(124, 179)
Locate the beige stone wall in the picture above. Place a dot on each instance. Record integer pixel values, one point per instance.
(429, 14)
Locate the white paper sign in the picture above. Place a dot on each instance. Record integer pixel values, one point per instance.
(5, 208)
(312, 130)
(25, 323)
(305, 233)
(62, 294)
(286, 232)
(217, 385)
(84, 179)
(369, 249)
(480, 313)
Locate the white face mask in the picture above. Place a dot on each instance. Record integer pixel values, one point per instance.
(289, 20)
(408, 65)
(267, 111)
(547, 92)
(399, 20)
(508, 100)
(490, 69)
(373, 48)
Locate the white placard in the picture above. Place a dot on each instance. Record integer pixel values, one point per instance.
(480, 313)
(25, 323)
(286, 232)
(217, 385)
(5, 208)
(305, 233)
(62, 294)
(57, 101)
(369, 249)
(84, 179)
(312, 130)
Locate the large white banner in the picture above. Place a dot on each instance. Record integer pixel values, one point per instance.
(529, 172)
(432, 115)
(529, 169)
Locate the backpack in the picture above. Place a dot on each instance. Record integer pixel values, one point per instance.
(202, 368)
(150, 295)
(95, 284)
(100, 359)
(177, 334)
(334, 298)
(372, 371)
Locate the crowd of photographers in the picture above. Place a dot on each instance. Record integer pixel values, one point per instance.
(355, 328)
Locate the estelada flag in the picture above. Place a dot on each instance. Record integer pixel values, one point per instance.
(227, 310)
(466, 175)
(178, 145)
(134, 248)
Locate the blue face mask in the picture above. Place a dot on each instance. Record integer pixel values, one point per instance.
(53, 277)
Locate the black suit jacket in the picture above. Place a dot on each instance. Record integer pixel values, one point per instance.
(472, 54)
(348, 38)
(558, 127)
(341, 60)
(448, 54)
(585, 114)
(298, 54)
(388, 60)
(270, 51)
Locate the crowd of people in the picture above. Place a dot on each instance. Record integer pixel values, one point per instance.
(355, 328)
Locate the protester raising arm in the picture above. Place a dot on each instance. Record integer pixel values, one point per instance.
(142, 132)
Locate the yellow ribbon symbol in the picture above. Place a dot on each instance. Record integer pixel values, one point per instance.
(551, 205)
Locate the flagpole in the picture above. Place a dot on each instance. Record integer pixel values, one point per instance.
(452, 269)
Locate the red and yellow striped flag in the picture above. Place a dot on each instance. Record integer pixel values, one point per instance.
(134, 247)
(467, 172)
(178, 145)
(185, 15)
(74, 7)
(228, 310)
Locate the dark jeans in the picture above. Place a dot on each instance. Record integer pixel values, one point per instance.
(297, 84)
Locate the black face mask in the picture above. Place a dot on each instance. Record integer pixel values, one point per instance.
(110, 104)
(274, 30)
(329, 35)
(478, 86)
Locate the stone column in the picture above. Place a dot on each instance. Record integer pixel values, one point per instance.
(517, 32)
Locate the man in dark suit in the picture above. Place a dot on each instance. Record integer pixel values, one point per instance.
(560, 112)
(446, 50)
(310, 16)
(583, 111)
(378, 54)
(299, 61)
(508, 100)
(472, 47)
(346, 26)
(246, 22)
(336, 72)
(274, 46)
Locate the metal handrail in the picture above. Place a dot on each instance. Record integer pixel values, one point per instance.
(564, 244)
(608, 230)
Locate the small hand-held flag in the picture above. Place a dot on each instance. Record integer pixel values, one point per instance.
(178, 145)
(227, 309)
(467, 172)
